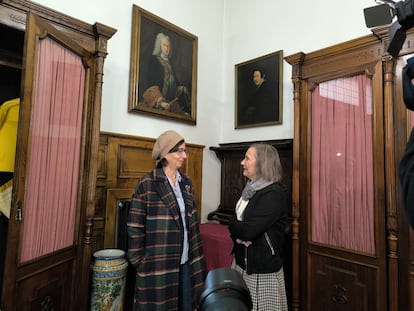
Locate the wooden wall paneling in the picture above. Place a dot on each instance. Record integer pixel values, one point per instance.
(99, 218)
(102, 171)
(98, 233)
(129, 160)
(194, 170)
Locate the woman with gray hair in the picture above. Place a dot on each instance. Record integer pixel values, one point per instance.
(257, 228)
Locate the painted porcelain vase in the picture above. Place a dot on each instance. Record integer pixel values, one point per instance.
(109, 270)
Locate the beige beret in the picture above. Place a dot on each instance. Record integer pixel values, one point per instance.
(164, 143)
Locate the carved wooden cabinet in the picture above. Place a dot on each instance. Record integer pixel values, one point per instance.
(368, 267)
(48, 253)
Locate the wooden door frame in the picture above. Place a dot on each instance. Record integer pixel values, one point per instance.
(349, 58)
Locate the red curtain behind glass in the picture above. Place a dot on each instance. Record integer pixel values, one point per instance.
(54, 152)
(342, 166)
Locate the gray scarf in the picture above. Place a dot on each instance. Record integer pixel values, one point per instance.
(253, 186)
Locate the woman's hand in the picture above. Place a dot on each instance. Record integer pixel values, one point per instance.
(245, 243)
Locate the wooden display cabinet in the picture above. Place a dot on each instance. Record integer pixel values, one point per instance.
(55, 278)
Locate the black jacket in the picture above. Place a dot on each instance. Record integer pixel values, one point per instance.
(408, 87)
(406, 172)
(406, 167)
(264, 225)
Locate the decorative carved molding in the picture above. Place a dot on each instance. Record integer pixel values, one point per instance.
(339, 294)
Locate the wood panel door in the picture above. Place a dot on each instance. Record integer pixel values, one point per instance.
(340, 259)
(345, 212)
(51, 177)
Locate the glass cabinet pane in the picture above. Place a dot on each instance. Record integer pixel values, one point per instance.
(54, 152)
(342, 164)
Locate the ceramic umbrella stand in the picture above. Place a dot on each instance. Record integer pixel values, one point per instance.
(109, 270)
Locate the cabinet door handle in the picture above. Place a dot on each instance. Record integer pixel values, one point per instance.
(19, 211)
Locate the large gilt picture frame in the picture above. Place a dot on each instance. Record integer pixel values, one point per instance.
(163, 69)
(258, 87)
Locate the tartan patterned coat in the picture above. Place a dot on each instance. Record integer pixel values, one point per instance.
(155, 242)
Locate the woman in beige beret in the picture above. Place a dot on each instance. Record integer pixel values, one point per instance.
(164, 242)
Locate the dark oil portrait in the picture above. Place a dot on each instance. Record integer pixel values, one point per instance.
(259, 91)
(163, 72)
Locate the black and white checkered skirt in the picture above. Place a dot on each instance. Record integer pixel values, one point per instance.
(267, 290)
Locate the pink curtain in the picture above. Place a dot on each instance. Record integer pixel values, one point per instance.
(54, 152)
(342, 166)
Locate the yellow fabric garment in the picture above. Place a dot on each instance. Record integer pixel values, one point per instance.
(9, 115)
(5, 198)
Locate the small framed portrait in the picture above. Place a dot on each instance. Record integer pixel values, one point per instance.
(258, 84)
(163, 69)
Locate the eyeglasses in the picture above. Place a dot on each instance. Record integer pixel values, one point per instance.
(180, 150)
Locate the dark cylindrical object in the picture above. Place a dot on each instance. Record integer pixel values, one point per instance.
(225, 290)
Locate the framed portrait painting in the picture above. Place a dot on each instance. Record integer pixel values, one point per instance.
(258, 86)
(163, 69)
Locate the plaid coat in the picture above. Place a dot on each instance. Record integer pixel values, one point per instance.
(155, 242)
